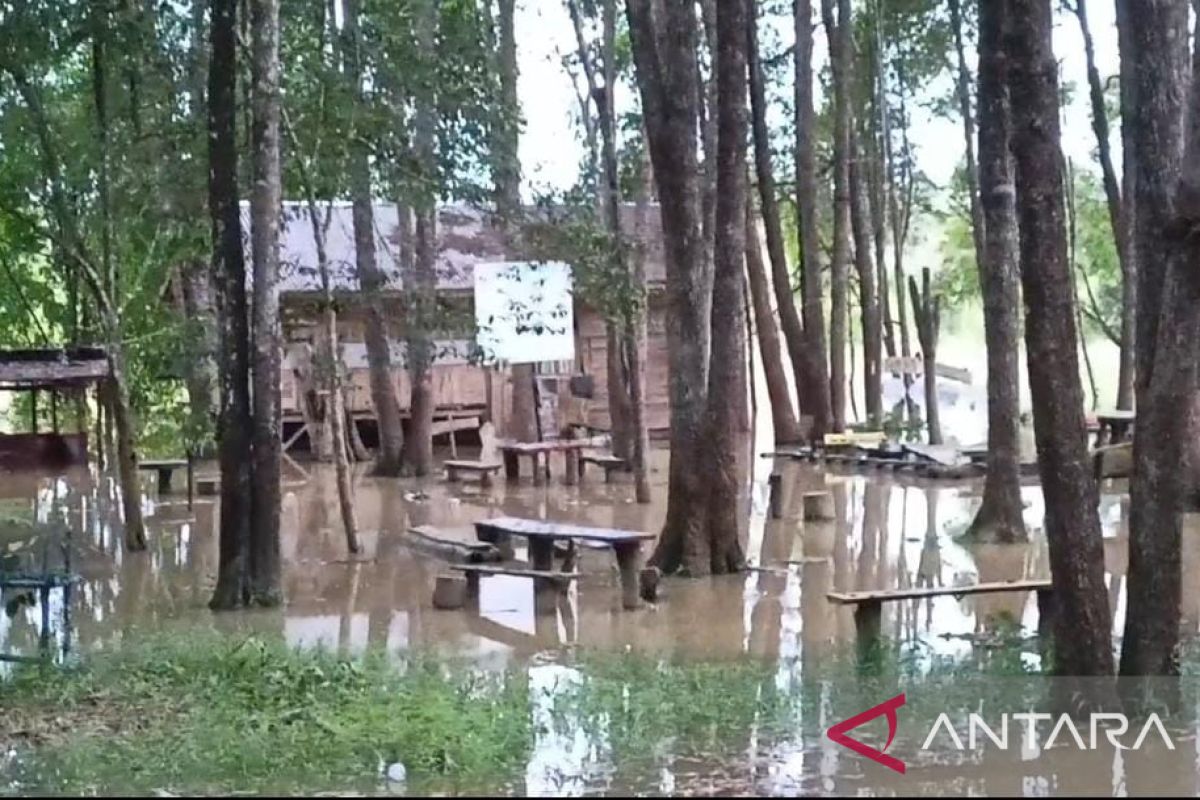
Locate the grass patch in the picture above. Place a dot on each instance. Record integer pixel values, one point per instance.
(215, 715)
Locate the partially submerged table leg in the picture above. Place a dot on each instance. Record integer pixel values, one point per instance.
(539, 476)
(775, 499)
(571, 473)
(164, 481)
(629, 560)
(512, 466)
(868, 622)
(541, 554)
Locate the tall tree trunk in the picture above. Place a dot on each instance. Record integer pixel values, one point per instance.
(838, 31)
(727, 373)
(635, 336)
(1112, 192)
(899, 228)
(1082, 623)
(814, 399)
(999, 517)
(506, 174)
(265, 202)
(666, 79)
(785, 299)
(868, 294)
(118, 396)
(197, 290)
(388, 419)
(968, 121)
(1127, 375)
(928, 318)
(235, 435)
(1167, 186)
(787, 429)
(418, 449)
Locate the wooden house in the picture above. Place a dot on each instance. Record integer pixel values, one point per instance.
(462, 389)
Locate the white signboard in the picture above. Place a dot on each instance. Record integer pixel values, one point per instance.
(524, 311)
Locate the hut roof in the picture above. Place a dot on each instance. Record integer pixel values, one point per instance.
(466, 235)
(52, 367)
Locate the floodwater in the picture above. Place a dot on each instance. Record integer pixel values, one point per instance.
(888, 533)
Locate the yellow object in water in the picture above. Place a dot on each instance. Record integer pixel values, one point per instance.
(861, 438)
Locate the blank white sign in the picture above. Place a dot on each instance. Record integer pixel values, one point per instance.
(524, 311)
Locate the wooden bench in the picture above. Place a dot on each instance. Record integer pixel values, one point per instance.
(541, 577)
(541, 535)
(868, 612)
(488, 463)
(606, 461)
(165, 468)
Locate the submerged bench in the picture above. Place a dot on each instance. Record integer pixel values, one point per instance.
(606, 461)
(488, 464)
(868, 612)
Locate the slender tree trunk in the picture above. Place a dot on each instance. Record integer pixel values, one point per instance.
(814, 399)
(1167, 186)
(1129, 262)
(927, 316)
(265, 202)
(201, 369)
(999, 518)
(968, 121)
(727, 374)
(838, 30)
(1082, 623)
(234, 442)
(635, 338)
(666, 78)
(1073, 268)
(787, 429)
(119, 400)
(872, 330)
(388, 419)
(335, 411)
(798, 347)
(1112, 192)
(506, 172)
(418, 449)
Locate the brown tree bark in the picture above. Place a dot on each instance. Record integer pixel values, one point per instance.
(999, 518)
(1127, 376)
(201, 371)
(838, 30)
(388, 419)
(927, 315)
(787, 429)
(868, 291)
(635, 336)
(814, 398)
(798, 346)
(963, 89)
(1112, 193)
(1082, 624)
(421, 285)
(727, 373)
(506, 174)
(666, 79)
(229, 269)
(1168, 187)
(265, 585)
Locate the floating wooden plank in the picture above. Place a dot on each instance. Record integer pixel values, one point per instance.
(888, 595)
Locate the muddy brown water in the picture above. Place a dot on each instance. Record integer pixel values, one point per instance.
(888, 533)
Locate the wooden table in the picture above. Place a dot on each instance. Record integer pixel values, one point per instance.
(1114, 426)
(513, 451)
(542, 534)
(164, 468)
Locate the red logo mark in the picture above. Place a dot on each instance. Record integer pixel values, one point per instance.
(838, 733)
